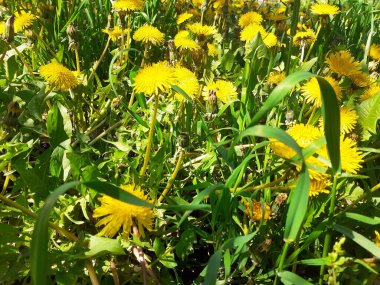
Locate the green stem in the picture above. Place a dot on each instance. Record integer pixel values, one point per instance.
(282, 261)
(326, 244)
(30, 70)
(114, 126)
(150, 136)
(99, 60)
(172, 177)
(293, 28)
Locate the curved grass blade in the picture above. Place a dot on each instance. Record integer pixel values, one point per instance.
(331, 122)
(298, 203)
(280, 92)
(288, 277)
(359, 239)
(39, 247)
(361, 218)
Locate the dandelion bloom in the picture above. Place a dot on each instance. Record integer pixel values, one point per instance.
(361, 79)
(183, 41)
(377, 238)
(225, 91)
(211, 50)
(351, 157)
(155, 78)
(254, 210)
(304, 38)
(114, 33)
(374, 52)
(343, 63)
(187, 81)
(116, 214)
(58, 76)
(201, 30)
(370, 92)
(250, 18)
(149, 35)
(276, 77)
(304, 135)
(23, 20)
(348, 120)
(2, 28)
(312, 92)
(250, 32)
(318, 186)
(324, 9)
(183, 17)
(128, 5)
(269, 39)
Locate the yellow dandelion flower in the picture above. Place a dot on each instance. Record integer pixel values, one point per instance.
(374, 52)
(183, 17)
(187, 81)
(201, 30)
(269, 39)
(250, 32)
(304, 135)
(155, 78)
(114, 33)
(276, 77)
(149, 35)
(370, 92)
(225, 90)
(324, 9)
(183, 41)
(128, 5)
(361, 79)
(304, 38)
(2, 28)
(250, 18)
(312, 92)
(348, 120)
(212, 50)
(58, 76)
(277, 17)
(116, 214)
(318, 186)
(377, 238)
(23, 20)
(254, 210)
(343, 63)
(197, 3)
(351, 157)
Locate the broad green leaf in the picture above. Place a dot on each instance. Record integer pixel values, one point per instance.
(212, 268)
(306, 66)
(292, 278)
(100, 246)
(359, 239)
(362, 218)
(39, 245)
(369, 114)
(55, 126)
(168, 260)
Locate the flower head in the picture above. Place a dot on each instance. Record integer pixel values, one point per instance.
(58, 76)
(303, 38)
(211, 49)
(128, 5)
(269, 39)
(117, 214)
(370, 92)
(324, 9)
(318, 186)
(155, 78)
(250, 31)
(250, 18)
(377, 238)
(343, 63)
(374, 52)
(187, 81)
(361, 79)
(312, 92)
(114, 33)
(201, 30)
(254, 210)
(183, 17)
(276, 77)
(348, 120)
(23, 20)
(225, 91)
(149, 35)
(183, 41)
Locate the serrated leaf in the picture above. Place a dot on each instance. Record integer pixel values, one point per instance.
(369, 114)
